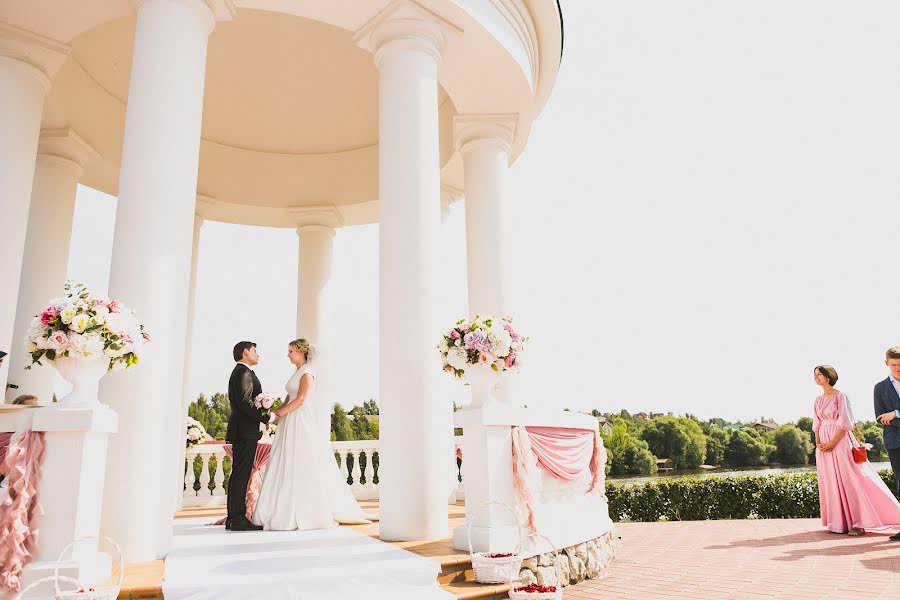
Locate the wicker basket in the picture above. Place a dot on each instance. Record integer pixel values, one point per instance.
(81, 591)
(496, 570)
(557, 595)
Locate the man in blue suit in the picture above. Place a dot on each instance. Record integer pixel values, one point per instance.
(887, 411)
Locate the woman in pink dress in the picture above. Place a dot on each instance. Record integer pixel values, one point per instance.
(852, 497)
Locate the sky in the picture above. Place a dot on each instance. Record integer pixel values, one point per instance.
(706, 209)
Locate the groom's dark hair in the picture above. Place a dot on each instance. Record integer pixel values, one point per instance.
(239, 348)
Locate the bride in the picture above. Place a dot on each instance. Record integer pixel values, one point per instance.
(303, 487)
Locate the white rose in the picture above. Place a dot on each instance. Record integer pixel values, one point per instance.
(67, 314)
(457, 358)
(80, 322)
(444, 346)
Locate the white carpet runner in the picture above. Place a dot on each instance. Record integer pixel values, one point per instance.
(209, 563)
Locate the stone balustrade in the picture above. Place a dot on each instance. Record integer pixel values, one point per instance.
(358, 461)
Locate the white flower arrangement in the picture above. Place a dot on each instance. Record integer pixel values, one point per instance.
(83, 324)
(194, 433)
(485, 341)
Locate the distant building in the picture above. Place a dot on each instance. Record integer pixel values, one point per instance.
(764, 427)
(665, 464)
(605, 425)
(647, 416)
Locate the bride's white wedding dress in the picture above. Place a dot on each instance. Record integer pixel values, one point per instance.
(303, 487)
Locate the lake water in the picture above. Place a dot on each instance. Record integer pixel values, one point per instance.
(726, 471)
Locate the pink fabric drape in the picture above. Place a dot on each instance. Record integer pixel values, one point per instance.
(21, 508)
(564, 453)
(255, 485)
(5, 437)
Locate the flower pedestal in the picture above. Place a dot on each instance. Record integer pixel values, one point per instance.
(564, 513)
(84, 374)
(71, 491)
(483, 381)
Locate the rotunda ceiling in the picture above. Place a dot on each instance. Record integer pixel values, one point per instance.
(290, 114)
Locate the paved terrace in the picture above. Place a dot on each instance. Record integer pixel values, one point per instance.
(728, 560)
(792, 558)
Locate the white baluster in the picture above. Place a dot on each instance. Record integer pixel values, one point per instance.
(204, 477)
(356, 486)
(370, 491)
(219, 478)
(189, 478)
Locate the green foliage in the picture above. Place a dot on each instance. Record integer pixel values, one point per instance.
(716, 442)
(872, 434)
(694, 498)
(804, 423)
(792, 445)
(363, 429)
(212, 414)
(341, 428)
(678, 438)
(627, 454)
(747, 448)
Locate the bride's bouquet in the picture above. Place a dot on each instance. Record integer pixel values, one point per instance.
(485, 341)
(85, 325)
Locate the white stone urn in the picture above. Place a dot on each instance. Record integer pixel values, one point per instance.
(483, 380)
(84, 374)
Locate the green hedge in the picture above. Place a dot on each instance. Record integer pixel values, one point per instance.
(790, 496)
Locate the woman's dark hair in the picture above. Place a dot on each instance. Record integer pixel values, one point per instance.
(828, 372)
(239, 348)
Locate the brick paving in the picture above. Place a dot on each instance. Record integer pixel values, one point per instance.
(744, 560)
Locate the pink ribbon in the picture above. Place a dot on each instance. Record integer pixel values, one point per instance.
(562, 452)
(4, 446)
(255, 485)
(21, 508)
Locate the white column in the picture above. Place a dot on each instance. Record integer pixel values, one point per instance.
(188, 361)
(485, 143)
(27, 63)
(61, 155)
(313, 272)
(316, 248)
(150, 266)
(415, 437)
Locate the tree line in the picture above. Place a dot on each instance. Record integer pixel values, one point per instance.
(360, 423)
(634, 444)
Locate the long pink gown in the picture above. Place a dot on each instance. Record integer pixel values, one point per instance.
(850, 495)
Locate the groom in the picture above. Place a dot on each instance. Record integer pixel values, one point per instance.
(243, 433)
(887, 411)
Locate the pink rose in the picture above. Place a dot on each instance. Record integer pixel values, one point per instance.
(50, 313)
(510, 361)
(58, 340)
(454, 334)
(114, 306)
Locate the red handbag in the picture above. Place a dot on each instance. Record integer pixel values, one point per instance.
(859, 452)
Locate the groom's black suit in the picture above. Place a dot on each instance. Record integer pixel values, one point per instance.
(243, 433)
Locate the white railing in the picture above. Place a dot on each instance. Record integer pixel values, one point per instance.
(357, 460)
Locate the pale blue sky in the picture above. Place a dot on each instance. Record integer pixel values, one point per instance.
(705, 211)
